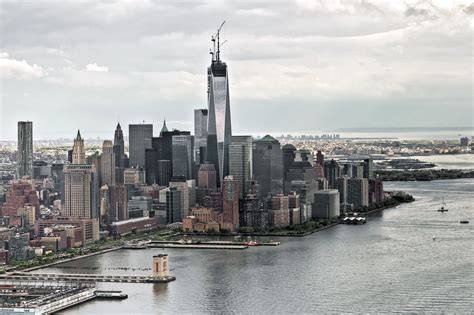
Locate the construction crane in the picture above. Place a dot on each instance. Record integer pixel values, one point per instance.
(216, 54)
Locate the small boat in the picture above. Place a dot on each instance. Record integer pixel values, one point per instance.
(464, 221)
(443, 207)
(251, 243)
(434, 237)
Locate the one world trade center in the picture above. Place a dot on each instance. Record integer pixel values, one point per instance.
(219, 125)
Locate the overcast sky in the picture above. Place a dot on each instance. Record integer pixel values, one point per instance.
(294, 65)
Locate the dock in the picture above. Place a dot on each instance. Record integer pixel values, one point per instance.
(85, 277)
(196, 246)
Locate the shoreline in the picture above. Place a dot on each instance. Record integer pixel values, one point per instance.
(65, 260)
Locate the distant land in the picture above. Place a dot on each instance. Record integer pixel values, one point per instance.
(402, 129)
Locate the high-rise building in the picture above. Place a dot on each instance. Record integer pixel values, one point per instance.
(219, 129)
(200, 134)
(25, 149)
(326, 204)
(268, 166)
(173, 205)
(299, 170)
(207, 176)
(376, 194)
(230, 200)
(78, 153)
(358, 192)
(342, 188)
(139, 138)
(368, 168)
(107, 164)
(119, 154)
(163, 175)
(332, 172)
(182, 156)
(118, 203)
(95, 159)
(181, 185)
(58, 178)
(289, 154)
(240, 161)
(80, 191)
(320, 158)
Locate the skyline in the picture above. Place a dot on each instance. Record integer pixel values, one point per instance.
(401, 57)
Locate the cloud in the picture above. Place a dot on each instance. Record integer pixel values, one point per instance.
(20, 70)
(93, 67)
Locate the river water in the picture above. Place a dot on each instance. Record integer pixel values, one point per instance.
(390, 264)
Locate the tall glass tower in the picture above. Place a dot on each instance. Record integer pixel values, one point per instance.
(219, 131)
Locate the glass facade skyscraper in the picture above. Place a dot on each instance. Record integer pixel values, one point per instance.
(219, 131)
(139, 140)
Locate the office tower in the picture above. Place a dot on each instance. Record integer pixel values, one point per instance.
(58, 178)
(320, 158)
(342, 188)
(163, 172)
(95, 159)
(181, 185)
(376, 194)
(368, 168)
(299, 170)
(289, 154)
(331, 172)
(304, 155)
(182, 156)
(358, 192)
(207, 176)
(25, 149)
(139, 139)
(80, 191)
(119, 154)
(219, 129)
(230, 200)
(107, 164)
(200, 134)
(78, 153)
(164, 144)
(173, 205)
(326, 204)
(240, 161)
(252, 214)
(118, 203)
(104, 204)
(268, 165)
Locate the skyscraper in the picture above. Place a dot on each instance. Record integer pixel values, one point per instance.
(358, 192)
(182, 156)
(207, 176)
(230, 199)
(25, 149)
(268, 166)
(119, 154)
(139, 137)
(200, 134)
(240, 161)
(219, 129)
(80, 191)
(332, 172)
(107, 167)
(78, 153)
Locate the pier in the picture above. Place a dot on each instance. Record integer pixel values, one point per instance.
(85, 277)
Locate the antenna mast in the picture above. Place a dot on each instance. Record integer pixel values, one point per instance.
(218, 57)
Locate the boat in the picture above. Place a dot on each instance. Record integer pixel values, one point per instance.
(250, 243)
(434, 237)
(443, 207)
(464, 221)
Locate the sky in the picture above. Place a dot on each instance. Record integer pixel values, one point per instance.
(304, 65)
